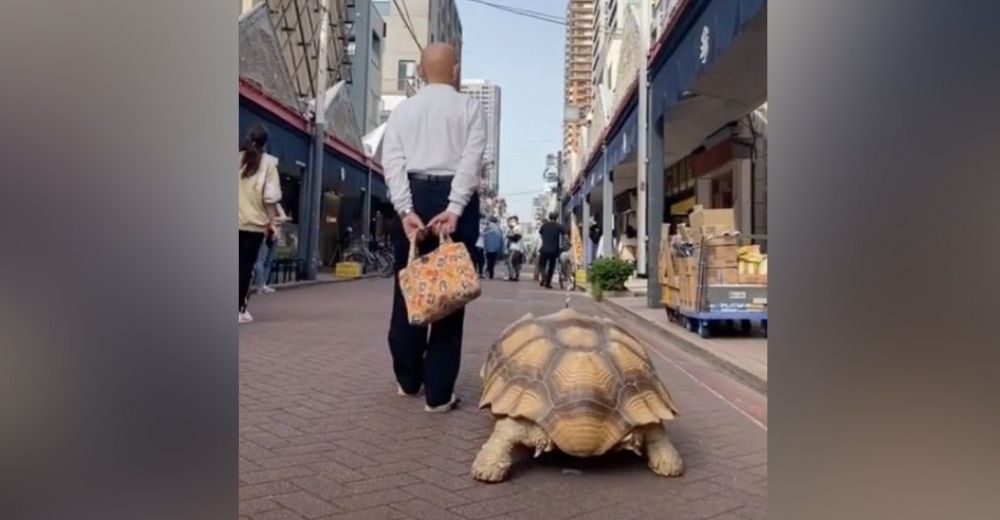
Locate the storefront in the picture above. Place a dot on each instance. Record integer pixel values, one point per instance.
(708, 71)
(344, 181)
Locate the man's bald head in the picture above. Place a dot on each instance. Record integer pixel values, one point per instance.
(439, 64)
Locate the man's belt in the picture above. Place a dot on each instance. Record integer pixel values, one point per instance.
(433, 179)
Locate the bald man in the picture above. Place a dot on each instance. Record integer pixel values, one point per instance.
(431, 154)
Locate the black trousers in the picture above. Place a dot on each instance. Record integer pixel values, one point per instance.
(547, 263)
(249, 248)
(429, 356)
(479, 257)
(491, 264)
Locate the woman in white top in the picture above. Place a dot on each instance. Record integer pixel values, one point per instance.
(259, 192)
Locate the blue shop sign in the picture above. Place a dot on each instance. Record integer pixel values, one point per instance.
(703, 32)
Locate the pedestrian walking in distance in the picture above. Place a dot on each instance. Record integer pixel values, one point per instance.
(551, 233)
(259, 192)
(515, 250)
(479, 255)
(492, 245)
(432, 154)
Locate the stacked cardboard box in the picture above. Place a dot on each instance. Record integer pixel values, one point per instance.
(712, 233)
(688, 290)
(752, 266)
(669, 289)
(711, 222)
(727, 266)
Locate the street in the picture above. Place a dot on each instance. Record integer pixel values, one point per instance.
(323, 434)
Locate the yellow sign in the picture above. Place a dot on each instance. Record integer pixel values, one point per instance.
(682, 207)
(575, 241)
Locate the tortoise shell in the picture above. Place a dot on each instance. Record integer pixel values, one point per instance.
(586, 381)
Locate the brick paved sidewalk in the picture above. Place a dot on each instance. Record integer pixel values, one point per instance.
(324, 436)
(743, 355)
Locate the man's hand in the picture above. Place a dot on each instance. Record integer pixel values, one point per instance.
(444, 223)
(413, 227)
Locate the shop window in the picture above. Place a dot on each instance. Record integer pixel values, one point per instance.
(405, 72)
(376, 49)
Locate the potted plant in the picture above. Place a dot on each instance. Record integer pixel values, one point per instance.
(609, 275)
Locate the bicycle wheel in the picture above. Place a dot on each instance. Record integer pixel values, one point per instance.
(386, 265)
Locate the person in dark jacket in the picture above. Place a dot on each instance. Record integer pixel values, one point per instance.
(552, 233)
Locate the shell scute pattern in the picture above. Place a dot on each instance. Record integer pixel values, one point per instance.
(584, 380)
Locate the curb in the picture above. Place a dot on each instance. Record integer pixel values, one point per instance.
(310, 283)
(745, 376)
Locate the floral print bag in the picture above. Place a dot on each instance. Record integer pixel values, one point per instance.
(438, 283)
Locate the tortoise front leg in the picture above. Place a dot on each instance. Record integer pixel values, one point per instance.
(663, 457)
(496, 456)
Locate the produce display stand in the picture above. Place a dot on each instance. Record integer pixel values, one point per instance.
(720, 303)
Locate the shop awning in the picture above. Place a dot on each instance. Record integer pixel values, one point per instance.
(576, 199)
(625, 139)
(258, 106)
(595, 175)
(286, 143)
(379, 189)
(343, 175)
(703, 32)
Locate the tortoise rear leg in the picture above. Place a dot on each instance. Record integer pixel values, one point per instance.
(496, 456)
(663, 457)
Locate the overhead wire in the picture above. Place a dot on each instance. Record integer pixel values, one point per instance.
(528, 13)
(406, 11)
(406, 21)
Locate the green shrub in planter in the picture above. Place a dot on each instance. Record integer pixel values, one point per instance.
(610, 274)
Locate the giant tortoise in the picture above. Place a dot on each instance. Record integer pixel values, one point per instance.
(577, 383)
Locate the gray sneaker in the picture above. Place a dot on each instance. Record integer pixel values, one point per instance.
(446, 407)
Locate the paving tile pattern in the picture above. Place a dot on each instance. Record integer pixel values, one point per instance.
(323, 434)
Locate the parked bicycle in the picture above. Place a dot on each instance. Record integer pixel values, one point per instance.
(378, 259)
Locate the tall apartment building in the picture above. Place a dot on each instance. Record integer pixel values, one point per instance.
(297, 23)
(415, 22)
(365, 50)
(488, 95)
(579, 63)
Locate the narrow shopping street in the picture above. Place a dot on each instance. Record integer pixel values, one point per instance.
(323, 434)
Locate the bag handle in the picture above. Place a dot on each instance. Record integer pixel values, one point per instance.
(413, 250)
(442, 238)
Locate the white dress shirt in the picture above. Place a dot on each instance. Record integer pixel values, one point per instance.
(438, 131)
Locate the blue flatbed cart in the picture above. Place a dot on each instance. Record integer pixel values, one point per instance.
(701, 321)
(728, 303)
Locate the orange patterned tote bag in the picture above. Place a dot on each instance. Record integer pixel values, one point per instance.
(438, 283)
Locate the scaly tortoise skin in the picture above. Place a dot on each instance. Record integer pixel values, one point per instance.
(577, 383)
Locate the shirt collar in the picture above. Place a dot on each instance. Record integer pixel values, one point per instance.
(438, 86)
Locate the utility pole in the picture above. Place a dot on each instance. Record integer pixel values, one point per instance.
(315, 187)
(642, 215)
(367, 209)
(559, 185)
